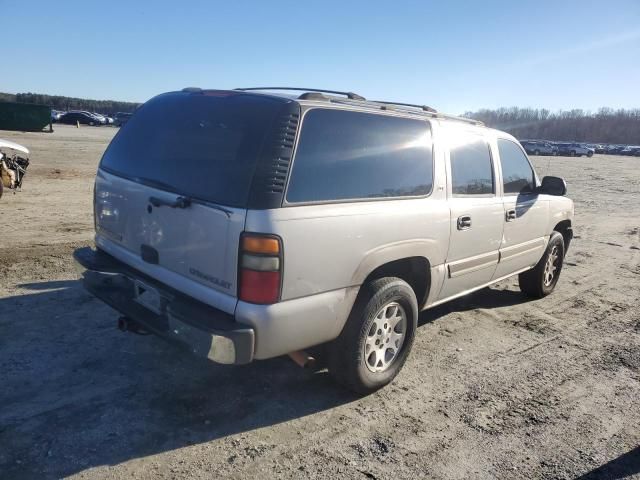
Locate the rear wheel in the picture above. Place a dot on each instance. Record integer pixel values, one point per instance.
(542, 279)
(590, 154)
(377, 338)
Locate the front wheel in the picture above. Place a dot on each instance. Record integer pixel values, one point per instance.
(377, 338)
(590, 154)
(542, 279)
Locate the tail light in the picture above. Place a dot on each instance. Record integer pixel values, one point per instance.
(260, 268)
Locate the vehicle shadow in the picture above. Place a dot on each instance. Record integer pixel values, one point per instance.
(489, 297)
(76, 393)
(625, 466)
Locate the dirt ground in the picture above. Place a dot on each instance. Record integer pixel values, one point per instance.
(497, 386)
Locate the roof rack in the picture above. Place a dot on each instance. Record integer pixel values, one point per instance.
(425, 108)
(349, 95)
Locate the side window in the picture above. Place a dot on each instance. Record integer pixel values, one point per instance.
(517, 174)
(471, 167)
(351, 155)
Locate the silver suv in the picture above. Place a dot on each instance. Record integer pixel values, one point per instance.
(249, 224)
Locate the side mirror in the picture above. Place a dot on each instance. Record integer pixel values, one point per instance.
(553, 186)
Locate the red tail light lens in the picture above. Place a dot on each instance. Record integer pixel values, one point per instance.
(260, 268)
(259, 287)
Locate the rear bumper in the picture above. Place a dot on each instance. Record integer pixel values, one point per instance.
(202, 329)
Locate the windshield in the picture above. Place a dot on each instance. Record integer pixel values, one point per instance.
(203, 145)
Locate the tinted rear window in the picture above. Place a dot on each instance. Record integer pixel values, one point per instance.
(198, 145)
(353, 155)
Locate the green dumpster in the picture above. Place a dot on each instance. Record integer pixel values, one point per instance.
(24, 117)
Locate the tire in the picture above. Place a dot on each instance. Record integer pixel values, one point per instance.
(572, 153)
(542, 279)
(354, 359)
(536, 152)
(590, 154)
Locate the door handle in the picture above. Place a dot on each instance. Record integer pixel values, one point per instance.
(464, 222)
(510, 215)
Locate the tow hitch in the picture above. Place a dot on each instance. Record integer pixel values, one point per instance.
(127, 324)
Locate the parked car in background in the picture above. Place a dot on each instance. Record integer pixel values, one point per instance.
(539, 147)
(121, 118)
(599, 148)
(107, 120)
(84, 118)
(56, 114)
(615, 149)
(574, 149)
(631, 151)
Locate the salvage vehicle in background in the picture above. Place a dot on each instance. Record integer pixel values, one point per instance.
(14, 160)
(121, 118)
(615, 149)
(56, 114)
(249, 224)
(539, 147)
(84, 118)
(573, 149)
(631, 151)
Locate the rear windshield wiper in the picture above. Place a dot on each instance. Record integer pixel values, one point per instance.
(185, 202)
(182, 201)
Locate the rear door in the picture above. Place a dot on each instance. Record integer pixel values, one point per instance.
(173, 186)
(476, 212)
(525, 212)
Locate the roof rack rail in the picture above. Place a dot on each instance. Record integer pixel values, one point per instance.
(349, 95)
(425, 108)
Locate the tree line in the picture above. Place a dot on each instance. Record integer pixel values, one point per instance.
(605, 126)
(58, 102)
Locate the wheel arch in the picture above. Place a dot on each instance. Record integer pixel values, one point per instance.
(411, 260)
(416, 271)
(565, 228)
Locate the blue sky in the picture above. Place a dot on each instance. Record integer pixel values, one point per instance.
(454, 55)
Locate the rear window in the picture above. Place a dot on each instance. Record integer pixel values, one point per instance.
(202, 146)
(345, 155)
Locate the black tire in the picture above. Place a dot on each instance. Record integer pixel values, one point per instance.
(572, 153)
(346, 354)
(536, 152)
(535, 282)
(590, 154)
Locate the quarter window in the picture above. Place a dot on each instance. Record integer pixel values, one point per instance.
(471, 167)
(517, 174)
(354, 155)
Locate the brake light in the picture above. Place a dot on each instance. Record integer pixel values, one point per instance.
(260, 268)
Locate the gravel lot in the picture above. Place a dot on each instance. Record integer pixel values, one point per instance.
(497, 386)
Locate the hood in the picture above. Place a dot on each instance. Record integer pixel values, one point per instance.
(14, 146)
